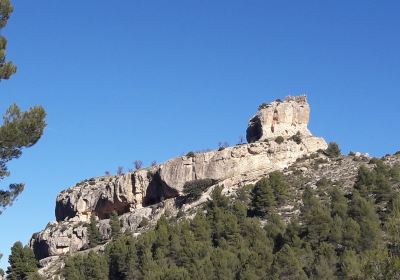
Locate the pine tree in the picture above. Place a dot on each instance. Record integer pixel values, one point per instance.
(86, 267)
(6, 68)
(122, 258)
(19, 129)
(279, 186)
(392, 226)
(226, 264)
(161, 243)
(339, 204)
(365, 181)
(317, 218)
(351, 236)
(263, 198)
(201, 228)
(363, 212)
(287, 266)
(350, 265)
(22, 262)
(115, 225)
(325, 263)
(94, 235)
(275, 230)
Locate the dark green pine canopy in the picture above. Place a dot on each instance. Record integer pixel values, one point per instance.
(19, 129)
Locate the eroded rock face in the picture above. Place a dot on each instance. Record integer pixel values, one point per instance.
(280, 118)
(60, 238)
(135, 194)
(131, 191)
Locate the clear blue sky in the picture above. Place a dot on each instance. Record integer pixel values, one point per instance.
(125, 80)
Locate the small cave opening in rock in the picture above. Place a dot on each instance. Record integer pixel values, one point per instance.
(158, 190)
(104, 208)
(64, 211)
(41, 249)
(254, 131)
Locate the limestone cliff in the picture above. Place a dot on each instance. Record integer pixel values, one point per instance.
(280, 118)
(150, 192)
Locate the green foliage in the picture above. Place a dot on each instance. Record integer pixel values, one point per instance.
(392, 226)
(22, 262)
(365, 180)
(122, 258)
(287, 265)
(267, 193)
(395, 173)
(325, 262)
(194, 189)
(339, 205)
(243, 194)
(191, 154)
(144, 222)
(94, 235)
(19, 129)
(6, 68)
(333, 150)
(86, 267)
(115, 225)
(296, 138)
(377, 182)
(336, 236)
(279, 140)
(363, 212)
(317, 218)
(279, 186)
(222, 243)
(351, 265)
(263, 198)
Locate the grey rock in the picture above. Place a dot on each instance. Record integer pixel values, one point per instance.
(280, 118)
(149, 192)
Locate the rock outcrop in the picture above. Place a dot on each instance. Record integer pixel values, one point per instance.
(280, 118)
(149, 192)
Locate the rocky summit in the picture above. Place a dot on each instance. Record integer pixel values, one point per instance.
(280, 118)
(277, 136)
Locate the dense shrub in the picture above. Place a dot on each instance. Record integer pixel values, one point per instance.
(194, 189)
(333, 150)
(279, 140)
(190, 154)
(267, 193)
(94, 235)
(296, 138)
(23, 264)
(90, 266)
(115, 225)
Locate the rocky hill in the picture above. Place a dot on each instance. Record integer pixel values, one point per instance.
(278, 138)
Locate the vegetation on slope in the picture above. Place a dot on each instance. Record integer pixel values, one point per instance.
(340, 236)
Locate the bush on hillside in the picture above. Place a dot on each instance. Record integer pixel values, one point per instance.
(333, 150)
(194, 189)
(279, 140)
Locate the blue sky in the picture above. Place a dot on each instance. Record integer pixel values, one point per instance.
(151, 80)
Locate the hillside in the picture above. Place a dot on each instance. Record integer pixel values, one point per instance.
(284, 206)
